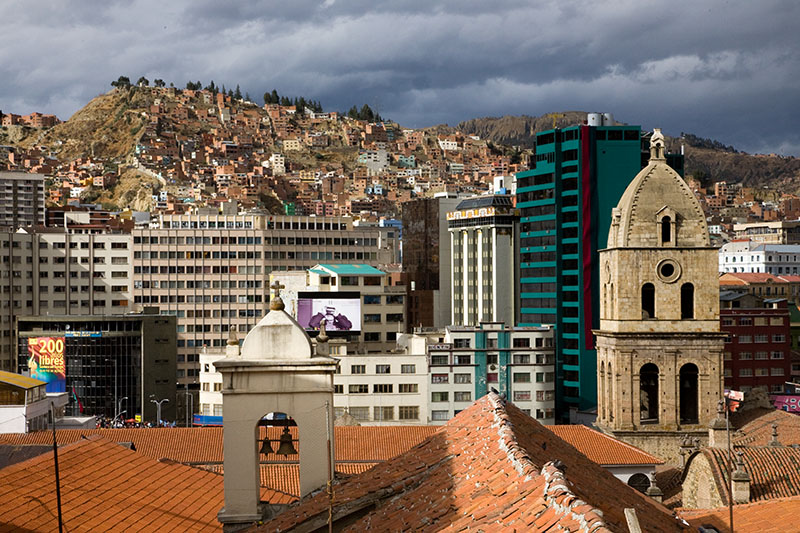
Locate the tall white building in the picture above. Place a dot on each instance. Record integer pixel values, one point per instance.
(482, 264)
(750, 256)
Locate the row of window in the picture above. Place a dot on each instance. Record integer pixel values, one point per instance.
(760, 372)
(760, 338)
(382, 413)
(747, 356)
(383, 369)
(378, 388)
(753, 321)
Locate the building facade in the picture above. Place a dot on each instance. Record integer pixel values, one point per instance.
(758, 346)
(483, 266)
(45, 271)
(470, 361)
(776, 232)
(212, 271)
(753, 257)
(659, 342)
(113, 363)
(21, 199)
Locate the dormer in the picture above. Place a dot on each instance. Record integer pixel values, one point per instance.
(667, 227)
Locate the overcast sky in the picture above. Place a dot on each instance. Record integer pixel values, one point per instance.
(725, 70)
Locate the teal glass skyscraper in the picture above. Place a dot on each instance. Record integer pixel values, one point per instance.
(565, 205)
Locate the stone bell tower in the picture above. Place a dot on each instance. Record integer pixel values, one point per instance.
(659, 346)
(276, 373)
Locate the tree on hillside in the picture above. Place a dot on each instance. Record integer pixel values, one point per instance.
(274, 97)
(194, 86)
(238, 93)
(247, 97)
(142, 82)
(122, 82)
(159, 83)
(211, 87)
(230, 93)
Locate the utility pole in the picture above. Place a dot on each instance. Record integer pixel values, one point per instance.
(55, 461)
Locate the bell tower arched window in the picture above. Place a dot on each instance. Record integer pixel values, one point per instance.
(648, 394)
(688, 393)
(687, 301)
(648, 301)
(666, 230)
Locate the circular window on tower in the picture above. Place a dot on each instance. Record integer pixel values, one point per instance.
(668, 270)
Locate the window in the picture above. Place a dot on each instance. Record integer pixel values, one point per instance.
(648, 301)
(761, 321)
(383, 369)
(463, 359)
(439, 360)
(779, 338)
(545, 377)
(358, 369)
(745, 372)
(687, 301)
(666, 233)
(762, 372)
(440, 415)
(372, 299)
(727, 321)
(491, 377)
(462, 378)
(408, 412)
(359, 413)
(408, 369)
(383, 413)
(777, 355)
(358, 389)
(776, 321)
(522, 359)
(747, 321)
(461, 343)
(761, 355)
(462, 396)
(440, 396)
(522, 377)
(521, 342)
(206, 386)
(545, 395)
(338, 389)
(776, 371)
(408, 388)
(382, 388)
(440, 378)
(522, 395)
(761, 338)
(745, 339)
(217, 387)
(372, 318)
(372, 336)
(745, 356)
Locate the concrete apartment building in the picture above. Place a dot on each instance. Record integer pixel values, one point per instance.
(775, 232)
(212, 271)
(467, 362)
(45, 271)
(483, 266)
(754, 257)
(21, 199)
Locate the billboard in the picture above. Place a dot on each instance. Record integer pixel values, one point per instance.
(46, 362)
(340, 310)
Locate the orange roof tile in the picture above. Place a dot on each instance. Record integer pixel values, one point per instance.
(754, 427)
(491, 467)
(771, 516)
(601, 448)
(104, 485)
(751, 277)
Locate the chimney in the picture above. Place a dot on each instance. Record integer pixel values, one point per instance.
(740, 482)
(774, 440)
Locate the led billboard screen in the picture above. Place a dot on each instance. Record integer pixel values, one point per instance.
(46, 362)
(340, 310)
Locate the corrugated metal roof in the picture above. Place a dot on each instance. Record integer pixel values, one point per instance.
(18, 380)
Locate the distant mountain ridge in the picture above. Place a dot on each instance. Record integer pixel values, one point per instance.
(706, 159)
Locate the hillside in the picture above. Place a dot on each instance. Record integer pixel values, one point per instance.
(708, 160)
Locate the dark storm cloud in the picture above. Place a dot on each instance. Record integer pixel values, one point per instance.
(727, 70)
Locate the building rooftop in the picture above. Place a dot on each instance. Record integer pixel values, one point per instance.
(601, 448)
(772, 516)
(491, 200)
(351, 270)
(491, 467)
(18, 380)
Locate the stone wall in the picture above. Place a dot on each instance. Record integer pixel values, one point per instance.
(663, 444)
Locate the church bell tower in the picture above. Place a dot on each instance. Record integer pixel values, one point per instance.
(659, 346)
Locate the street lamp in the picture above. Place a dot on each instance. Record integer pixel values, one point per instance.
(119, 411)
(158, 406)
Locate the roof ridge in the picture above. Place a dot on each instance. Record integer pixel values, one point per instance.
(556, 492)
(623, 443)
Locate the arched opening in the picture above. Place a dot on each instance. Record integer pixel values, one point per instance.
(277, 438)
(648, 394)
(639, 482)
(610, 388)
(648, 301)
(602, 400)
(666, 230)
(688, 394)
(687, 300)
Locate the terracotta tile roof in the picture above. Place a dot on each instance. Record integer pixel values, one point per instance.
(601, 448)
(669, 479)
(106, 486)
(493, 468)
(751, 277)
(772, 516)
(754, 427)
(774, 471)
(204, 445)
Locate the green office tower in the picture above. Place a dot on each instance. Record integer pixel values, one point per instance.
(565, 206)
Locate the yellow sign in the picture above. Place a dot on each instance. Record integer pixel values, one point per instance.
(138, 418)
